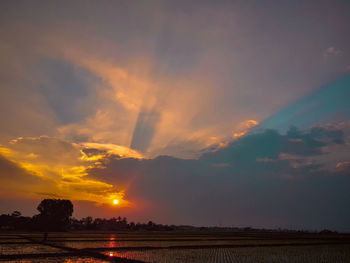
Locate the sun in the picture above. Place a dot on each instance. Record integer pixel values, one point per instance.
(115, 201)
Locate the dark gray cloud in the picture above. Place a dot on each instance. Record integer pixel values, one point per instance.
(262, 179)
(270, 144)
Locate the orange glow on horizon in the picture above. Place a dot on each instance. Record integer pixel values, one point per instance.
(64, 173)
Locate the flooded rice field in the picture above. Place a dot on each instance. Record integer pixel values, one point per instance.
(169, 247)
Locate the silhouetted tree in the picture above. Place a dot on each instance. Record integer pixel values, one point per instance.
(14, 221)
(54, 214)
(16, 214)
(88, 222)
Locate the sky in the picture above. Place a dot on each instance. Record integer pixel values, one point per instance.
(207, 113)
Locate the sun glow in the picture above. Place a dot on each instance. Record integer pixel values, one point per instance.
(115, 201)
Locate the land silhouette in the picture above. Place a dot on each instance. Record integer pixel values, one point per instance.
(56, 215)
(53, 233)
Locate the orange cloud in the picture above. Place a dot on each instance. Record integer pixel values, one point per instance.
(121, 151)
(61, 167)
(343, 165)
(244, 127)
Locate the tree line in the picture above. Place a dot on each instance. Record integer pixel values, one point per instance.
(56, 215)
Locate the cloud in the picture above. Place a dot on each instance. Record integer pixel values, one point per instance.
(262, 179)
(343, 164)
(16, 181)
(90, 81)
(221, 165)
(59, 168)
(331, 51)
(343, 168)
(120, 151)
(244, 127)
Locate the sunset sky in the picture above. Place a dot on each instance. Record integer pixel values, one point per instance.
(227, 113)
